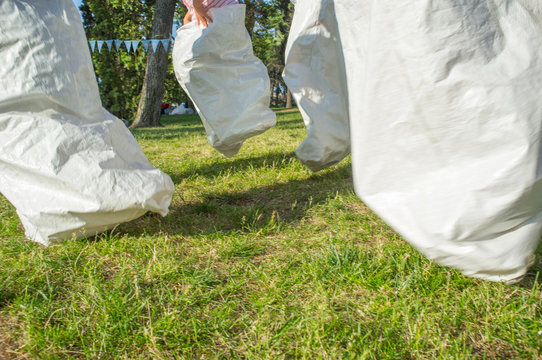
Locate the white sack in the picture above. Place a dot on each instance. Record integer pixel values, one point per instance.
(228, 85)
(178, 110)
(68, 166)
(314, 73)
(445, 99)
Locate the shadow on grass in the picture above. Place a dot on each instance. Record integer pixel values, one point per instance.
(289, 124)
(271, 160)
(261, 208)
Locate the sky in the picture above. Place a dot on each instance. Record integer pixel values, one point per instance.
(77, 3)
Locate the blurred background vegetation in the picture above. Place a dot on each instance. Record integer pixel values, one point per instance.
(121, 73)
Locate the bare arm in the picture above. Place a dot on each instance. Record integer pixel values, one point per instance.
(187, 18)
(202, 15)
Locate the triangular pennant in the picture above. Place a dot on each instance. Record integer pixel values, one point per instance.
(135, 44)
(92, 45)
(128, 45)
(165, 44)
(118, 43)
(145, 45)
(109, 44)
(155, 44)
(100, 45)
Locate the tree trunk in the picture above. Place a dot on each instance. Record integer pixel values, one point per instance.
(274, 95)
(250, 17)
(152, 93)
(288, 98)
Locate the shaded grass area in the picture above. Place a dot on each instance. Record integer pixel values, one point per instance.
(258, 259)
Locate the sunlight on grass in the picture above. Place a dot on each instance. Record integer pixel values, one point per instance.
(258, 259)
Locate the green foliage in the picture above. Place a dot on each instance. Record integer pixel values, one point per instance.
(120, 74)
(268, 22)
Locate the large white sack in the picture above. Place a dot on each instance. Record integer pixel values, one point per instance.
(228, 85)
(68, 166)
(446, 114)
(314, 73)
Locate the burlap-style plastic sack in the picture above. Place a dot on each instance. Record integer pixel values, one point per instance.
(229, 86)
(68, 166)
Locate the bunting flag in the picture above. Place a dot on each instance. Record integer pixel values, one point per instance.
(155, 44)
(135, 44)
(165, 44)
(145, 45)
(131, 45)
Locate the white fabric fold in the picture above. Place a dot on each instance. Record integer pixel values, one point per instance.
(228, 85)
(70, 168)
(314, 73)
(445, 110)
(445, 116)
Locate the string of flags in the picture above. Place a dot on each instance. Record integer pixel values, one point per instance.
(130, 45)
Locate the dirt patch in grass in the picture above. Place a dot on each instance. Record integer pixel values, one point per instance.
(9, 347)
(494, 351)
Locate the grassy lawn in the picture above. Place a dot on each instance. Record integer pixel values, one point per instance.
(258, 259)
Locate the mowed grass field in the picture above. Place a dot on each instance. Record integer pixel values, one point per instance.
(258, 259)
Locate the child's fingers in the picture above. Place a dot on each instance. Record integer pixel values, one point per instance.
(202, 21)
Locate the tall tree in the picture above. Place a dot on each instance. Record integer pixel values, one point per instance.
(152, 93)
(125, 79)
(269, 38)
(284, 27)
(119, 73)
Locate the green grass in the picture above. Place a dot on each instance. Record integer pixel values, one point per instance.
(258, 259)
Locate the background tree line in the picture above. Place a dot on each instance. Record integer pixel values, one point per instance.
(126, 78)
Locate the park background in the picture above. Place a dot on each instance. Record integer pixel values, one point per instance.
(123, 75)
(258, 259)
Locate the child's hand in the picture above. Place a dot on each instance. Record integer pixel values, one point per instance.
(202, 15)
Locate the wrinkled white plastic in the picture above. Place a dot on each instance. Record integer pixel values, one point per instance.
(68, 166)
(178, 110)
(229, 86)
(445, 104)
(314, 73)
